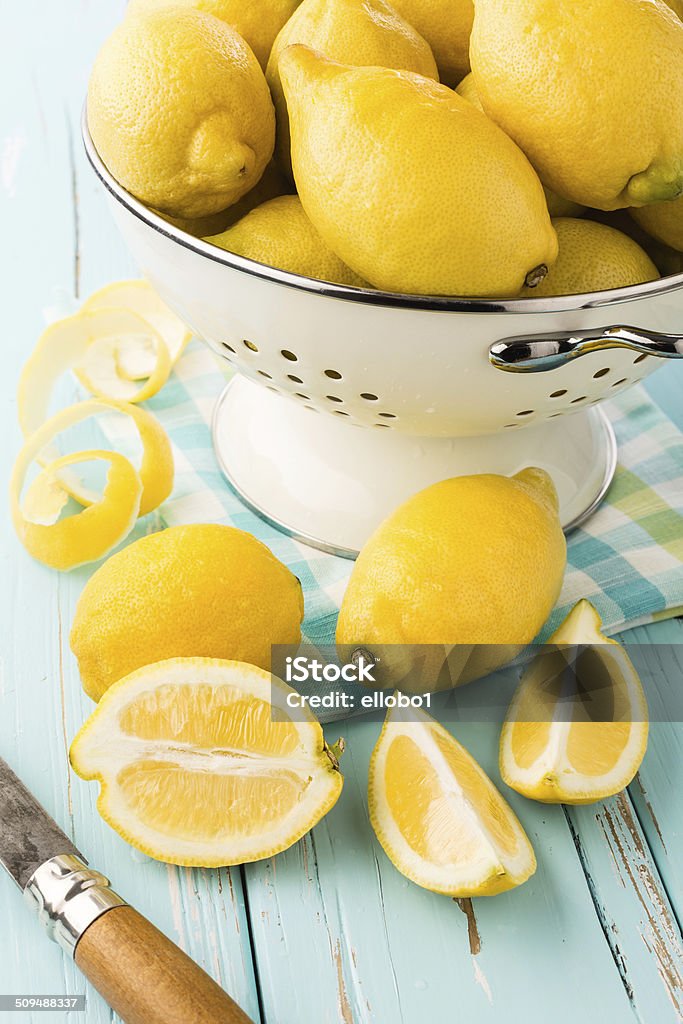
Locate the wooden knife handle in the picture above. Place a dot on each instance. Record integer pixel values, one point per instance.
(146, 978)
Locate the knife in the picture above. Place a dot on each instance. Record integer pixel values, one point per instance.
(143, 976)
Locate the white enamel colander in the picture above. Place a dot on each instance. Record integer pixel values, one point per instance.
(346, 401)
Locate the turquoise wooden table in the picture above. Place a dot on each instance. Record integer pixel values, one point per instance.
(329, 932)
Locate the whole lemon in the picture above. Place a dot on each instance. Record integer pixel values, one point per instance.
(359, 32)
(592, 92)
(663, 221)
(475, 560)
(257, 22)
(204, 590)
(412, 187)
(592, 258)
(279, 234)
(446, 25)
(557, 205)
(180, 112)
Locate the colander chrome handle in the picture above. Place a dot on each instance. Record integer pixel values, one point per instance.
(536, 353)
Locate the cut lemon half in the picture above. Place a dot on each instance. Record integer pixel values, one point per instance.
(201, 763)
(437, 814)
(576, 729)
(137, 361)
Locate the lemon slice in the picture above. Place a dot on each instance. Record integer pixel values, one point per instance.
(437, 814)
(128, 492)
(136, 361)
(200, 762)
(575, 744)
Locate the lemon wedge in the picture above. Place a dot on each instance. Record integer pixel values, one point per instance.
(128, 492)
(437, 814)
(201, 763)
(576, 729)
(136, 361)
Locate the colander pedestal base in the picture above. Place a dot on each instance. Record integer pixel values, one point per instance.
(329, 483)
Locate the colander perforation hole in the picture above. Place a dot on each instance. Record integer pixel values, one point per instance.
(250, 345)
(263, 373)
(229, 347)
(286, 354)
(622, 380)
(271, 388)
(369, 397)
(306, 398)
(384, 425)
(297, 380)
(510, 426)
(339, 412)
(581, 398)
(525, 412)
(641, 358)
(553, 415)
(558, 394)
(601, 373)
(334, 398)
(333, 374)
(387, 415)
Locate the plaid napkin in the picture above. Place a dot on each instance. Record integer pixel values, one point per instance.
(627, 559)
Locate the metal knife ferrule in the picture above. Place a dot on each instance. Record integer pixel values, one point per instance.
(69, 896)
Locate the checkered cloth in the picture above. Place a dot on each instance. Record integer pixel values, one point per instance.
(627, 559)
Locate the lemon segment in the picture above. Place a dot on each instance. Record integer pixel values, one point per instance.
(438, 816)
(200, 763)
(553, 746)
(137, 358)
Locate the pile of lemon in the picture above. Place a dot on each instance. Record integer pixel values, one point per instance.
(429, 146)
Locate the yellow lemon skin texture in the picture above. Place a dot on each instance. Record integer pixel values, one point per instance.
(257, 22)
(179, 110)
(358, 32)
(557, 205)
(446, 25)
(663, 221)
(470, 560)
(592, 92)
(189, 591)
(413, 188)
(593, 258)
(279, 234)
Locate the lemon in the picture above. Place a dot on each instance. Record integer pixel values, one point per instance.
(279, 234)
(189, 591)
(593, 257)
(180, 112)
(411, 186)
(664, 221)
(676, 6)
(361, 32)
(475, 560)
(201, 763)
(592, 92)
(272, 183)
(446, 25)
(576, 742)
(257, 23)
(438, 816)
(557, 205)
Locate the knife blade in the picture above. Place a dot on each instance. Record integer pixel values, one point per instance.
(28, 835)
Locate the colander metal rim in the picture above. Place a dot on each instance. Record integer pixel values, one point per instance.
(440, 303)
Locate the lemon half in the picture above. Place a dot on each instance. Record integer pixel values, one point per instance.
(200, 763)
